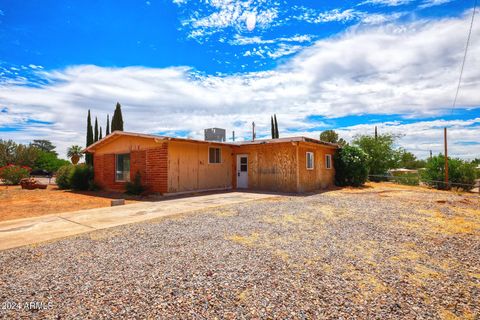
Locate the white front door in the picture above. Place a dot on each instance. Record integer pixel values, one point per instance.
(242, 171)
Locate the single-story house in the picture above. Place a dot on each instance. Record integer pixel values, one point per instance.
(169, 165)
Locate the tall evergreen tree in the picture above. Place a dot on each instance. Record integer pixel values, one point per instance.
(273, 127)
(276, 126)
(95, 139)
(107, 131)
(88, 157)
(100, 136)
(117, 120)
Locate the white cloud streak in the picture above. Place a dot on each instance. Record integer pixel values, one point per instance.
(433, 3)
(408, 69)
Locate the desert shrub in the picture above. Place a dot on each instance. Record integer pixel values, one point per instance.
(136, 186)
(410, 179)
(12, 174)
(64, 175)
(461, 174)
(81, 177)
(351, 166)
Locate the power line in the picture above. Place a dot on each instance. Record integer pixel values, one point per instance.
(464, 56)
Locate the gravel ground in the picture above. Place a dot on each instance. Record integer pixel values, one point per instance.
(349, 254)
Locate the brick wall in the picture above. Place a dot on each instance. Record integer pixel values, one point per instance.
(104, 172)
(152, 165)
(156, 171)
(138, 164)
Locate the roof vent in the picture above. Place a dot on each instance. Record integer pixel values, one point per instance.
(215, 134)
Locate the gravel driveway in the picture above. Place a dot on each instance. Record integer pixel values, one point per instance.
(366, 254)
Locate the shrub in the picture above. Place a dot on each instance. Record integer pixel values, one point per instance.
(12, 174)
(351, 166)
(64, 175)
(81, 177)
(136, 186)
(461, 174)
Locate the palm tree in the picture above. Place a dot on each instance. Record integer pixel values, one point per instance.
(75, 153)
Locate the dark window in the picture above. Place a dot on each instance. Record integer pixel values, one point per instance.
(328, 161)
(309, 160)
(122, 167)
(214, 155)
(243, 164)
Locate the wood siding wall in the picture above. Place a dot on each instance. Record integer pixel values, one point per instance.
(320, 177)
(189, 169)
(271, 167)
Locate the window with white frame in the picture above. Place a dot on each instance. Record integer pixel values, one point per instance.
(310, 161)
(328, 161)
(214, 155)
(122, 167)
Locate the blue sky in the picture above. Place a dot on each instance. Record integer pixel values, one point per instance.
(178, 66)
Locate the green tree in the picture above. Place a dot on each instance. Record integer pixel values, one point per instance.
(272, 127)
(48, 161)
(409, 161)
(44, 145)
(332, 137)
(381, 152)
(88, 157)
(351, 166)
(107, 131)
(18, 154)
(95, 139)
(100, 136)
(461, 174)
(117, 120)
(276, 126)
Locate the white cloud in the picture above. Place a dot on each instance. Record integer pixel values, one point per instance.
(408, 69)
(390, 3)
(350, 15)
(241, 40)
(251, 21)
(210, 17)
(312, 16)
(433, 3)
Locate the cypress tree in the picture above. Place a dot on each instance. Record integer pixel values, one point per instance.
(107, 132)
(100, 136)
(95, 139)
(273, 127)
(276, 126)
(117, 120)
(88, 157)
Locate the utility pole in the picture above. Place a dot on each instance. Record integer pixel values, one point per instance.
(253, 131)
(233, 136)
(376, 134)
(431, 154)
(446, 155)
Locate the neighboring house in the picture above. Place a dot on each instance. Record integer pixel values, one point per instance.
(170, 165)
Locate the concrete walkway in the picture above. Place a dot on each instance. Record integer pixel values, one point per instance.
(21, 232)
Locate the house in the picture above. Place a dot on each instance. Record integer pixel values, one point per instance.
(169, 165)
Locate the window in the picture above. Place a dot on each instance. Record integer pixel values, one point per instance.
(243, 164)
(328, 161)
(214, 155)
(122, 167)
(309, 160)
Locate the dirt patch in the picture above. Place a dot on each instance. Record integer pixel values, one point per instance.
(16, 203)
